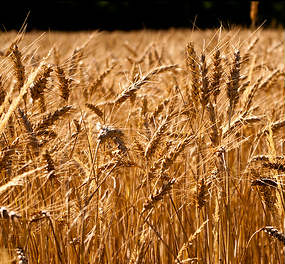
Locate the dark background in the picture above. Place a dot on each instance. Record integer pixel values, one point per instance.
(131, 14)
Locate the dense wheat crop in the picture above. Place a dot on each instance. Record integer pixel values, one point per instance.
(142, 147)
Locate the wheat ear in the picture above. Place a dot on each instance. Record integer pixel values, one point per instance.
(233, 84)
(100, 79)
(133, 88)
(274, 233)
(217, 75)
(64, 83)
(18, 66)
(158, 195)
(51, 118)
(192, 64)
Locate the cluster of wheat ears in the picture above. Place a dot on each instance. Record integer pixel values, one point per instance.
(142, 147)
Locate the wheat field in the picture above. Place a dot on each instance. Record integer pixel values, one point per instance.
(142, 146)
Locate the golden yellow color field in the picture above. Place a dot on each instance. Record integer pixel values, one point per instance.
(142, 147)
